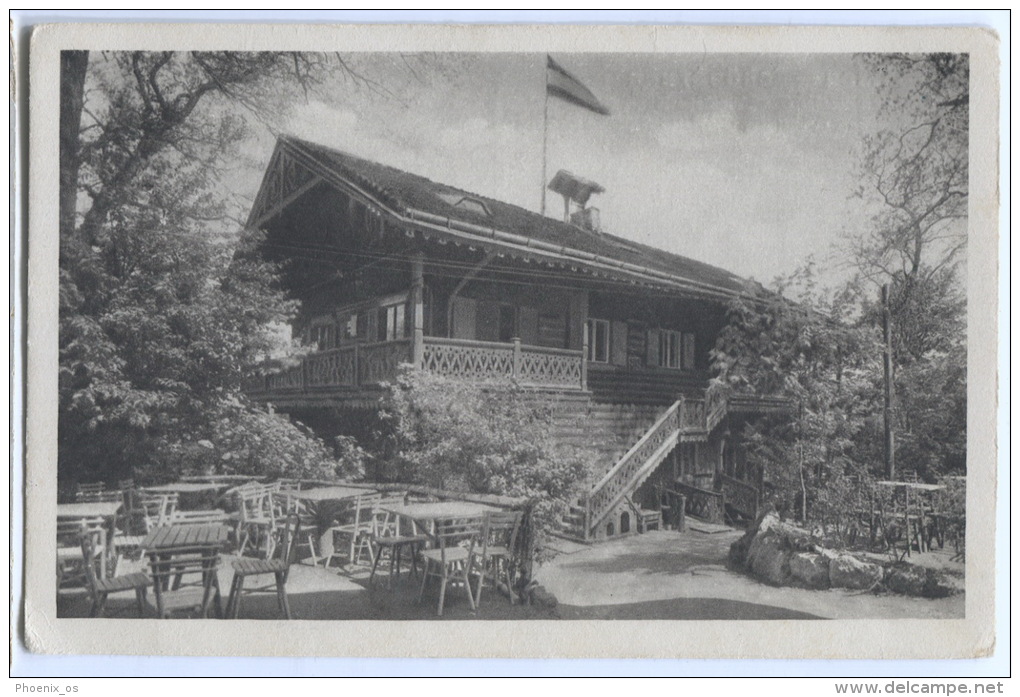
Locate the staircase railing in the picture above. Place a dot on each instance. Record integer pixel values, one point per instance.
(695, 417)
(634, 466)
(740, 496)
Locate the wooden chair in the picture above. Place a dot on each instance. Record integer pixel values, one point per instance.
(498, 551)
(387, 537)
(278, 566)
(454, 556)
(188, 569)
(257, 518)
(289, 505)
(70, 569)
(101, 588)
(150, 511)
(358, 528)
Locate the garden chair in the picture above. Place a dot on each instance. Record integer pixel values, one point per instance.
(357, 529)
(257, 518)
(100, 588)
(387, 537)
(150, 511)
(189, 569)
(70, 569)
(278, 566)
(454, 556)
(289, 505)
(498, 551)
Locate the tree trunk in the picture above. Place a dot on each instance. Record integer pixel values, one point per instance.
(73, 66)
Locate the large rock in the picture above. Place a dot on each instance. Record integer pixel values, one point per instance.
(769, 558)
(906, 579)
(846, 571)
(810, 569)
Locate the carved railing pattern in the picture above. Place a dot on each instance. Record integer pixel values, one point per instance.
(635, 465)
(379, 362)
(692, 415)
(741, 496)
(474, 360)
(287, 379)
(332, 368)
(716, 404)
(702, 503)
(549, 367)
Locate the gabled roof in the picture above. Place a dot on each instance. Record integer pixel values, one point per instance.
(418, 199)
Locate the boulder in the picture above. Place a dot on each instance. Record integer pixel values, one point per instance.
(769, 558)
(540, 596)
(846, 571)
(810, 569)
(906, 579)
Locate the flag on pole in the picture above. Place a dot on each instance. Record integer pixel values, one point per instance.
(560, 83)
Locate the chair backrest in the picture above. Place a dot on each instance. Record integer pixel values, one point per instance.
(286, 550)
(156, 509)
(91, 554)
(502, 528)
(385, 522)
(126, 484)
(463, 531)
(69, 530)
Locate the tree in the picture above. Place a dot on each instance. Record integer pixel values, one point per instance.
(810, 350)
(915, 172)
(162, 313)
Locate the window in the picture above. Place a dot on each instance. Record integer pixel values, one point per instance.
(392, 322)
(323, 336)
(669, 348)
(598, 340)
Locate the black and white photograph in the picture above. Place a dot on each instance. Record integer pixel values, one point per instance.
(436, 335)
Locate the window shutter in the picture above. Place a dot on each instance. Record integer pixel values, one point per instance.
(463, 318)
(653, 347)
(688, 351)
(618, 338)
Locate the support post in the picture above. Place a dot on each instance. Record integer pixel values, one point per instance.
(584, 355)
(517, 357)
(357, 365)
(887, 365)
(417, 311)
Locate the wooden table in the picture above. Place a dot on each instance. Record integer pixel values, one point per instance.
(107, 510)
(323, 503)
(425, 515)
(192, 495)
(199, 547)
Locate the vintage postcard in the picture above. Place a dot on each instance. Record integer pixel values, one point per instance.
(512, 341)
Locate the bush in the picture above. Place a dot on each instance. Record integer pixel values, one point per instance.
(240, 439)
(490, 438)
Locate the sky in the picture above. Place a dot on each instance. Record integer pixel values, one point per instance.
(744, 161)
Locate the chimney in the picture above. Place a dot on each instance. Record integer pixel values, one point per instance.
(577, 190)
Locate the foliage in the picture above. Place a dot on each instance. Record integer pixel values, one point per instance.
(460, 436)
(164, 310)
(808, 352)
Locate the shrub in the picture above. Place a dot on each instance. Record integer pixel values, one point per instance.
(487, 438)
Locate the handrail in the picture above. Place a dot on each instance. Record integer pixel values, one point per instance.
(637, 446)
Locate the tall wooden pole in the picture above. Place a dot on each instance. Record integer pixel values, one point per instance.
(417, 310)
(545, 135)
(890, 438)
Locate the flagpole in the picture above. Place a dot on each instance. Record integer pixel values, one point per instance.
(545, 131)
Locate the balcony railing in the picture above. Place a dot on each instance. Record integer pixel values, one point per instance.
(369, 364)
(532, 366)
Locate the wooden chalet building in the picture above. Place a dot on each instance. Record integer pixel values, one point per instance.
(393, 268)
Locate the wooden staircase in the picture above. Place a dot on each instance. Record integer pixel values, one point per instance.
(607, 509)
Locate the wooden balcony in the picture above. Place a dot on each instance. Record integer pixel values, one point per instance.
(352, 375)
